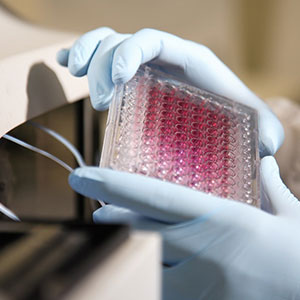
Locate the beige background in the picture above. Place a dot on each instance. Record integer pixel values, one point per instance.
(258, 39)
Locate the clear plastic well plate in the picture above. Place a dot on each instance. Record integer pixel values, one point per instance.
(163, 128)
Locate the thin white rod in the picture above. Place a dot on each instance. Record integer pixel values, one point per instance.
(40, 151)
(63, 140)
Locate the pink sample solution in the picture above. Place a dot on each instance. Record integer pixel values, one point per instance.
(164, 128)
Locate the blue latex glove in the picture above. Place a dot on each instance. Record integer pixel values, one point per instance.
(216, 248)
(108, 57)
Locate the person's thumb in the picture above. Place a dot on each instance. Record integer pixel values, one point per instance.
(282, 201)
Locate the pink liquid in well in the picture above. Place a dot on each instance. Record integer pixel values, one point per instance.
(186, 140)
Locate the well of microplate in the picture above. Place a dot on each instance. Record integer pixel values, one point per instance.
(161, 127)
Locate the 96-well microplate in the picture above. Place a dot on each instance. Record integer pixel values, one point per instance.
(163, 128)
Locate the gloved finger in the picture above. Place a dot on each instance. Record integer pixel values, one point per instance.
(275, 191)
(195, 64)
(164, 201)
(99, 72)
(270, 132)
(115, 214)
(179, 240)
(82, 51)
(173, 238)
(62, 57)
(144, 46)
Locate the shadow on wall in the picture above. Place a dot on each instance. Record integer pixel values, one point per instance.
(44, 90)
(31, 185)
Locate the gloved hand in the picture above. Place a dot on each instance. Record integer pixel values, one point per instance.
(214, 248)
(108, 58)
